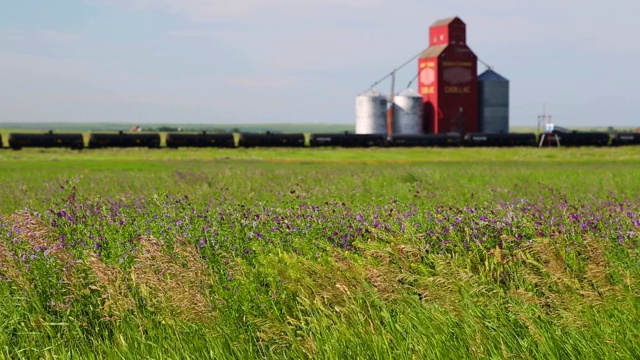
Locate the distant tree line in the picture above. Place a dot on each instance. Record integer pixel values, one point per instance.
(180, 129)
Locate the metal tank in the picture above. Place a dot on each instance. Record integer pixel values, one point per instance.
(493, 103)
(371, 113)
(407, 113)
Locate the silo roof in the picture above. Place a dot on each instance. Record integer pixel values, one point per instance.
(433, 51)
(443, 22)
(491, 75)
(409, 92)
(373, 92)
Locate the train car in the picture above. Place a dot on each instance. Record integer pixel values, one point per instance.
(619, 139)
(47, 140)
(271, 140)
(203, 139)
(522, 139)
(499, 139)
(426, 140)
(347, 140)
(124, 140)
(575, 138)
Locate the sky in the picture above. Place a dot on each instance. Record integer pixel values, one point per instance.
(303, 61)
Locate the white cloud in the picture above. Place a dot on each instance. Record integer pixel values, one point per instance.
(33, 68)
(193, 34)
(205, 10)
(268, 82)
(47, 36)
(106, 98)
(58, 37)
(13, 34)
(586, 25)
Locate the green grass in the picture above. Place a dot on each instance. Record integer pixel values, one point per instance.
(30, 176)
(320, 253)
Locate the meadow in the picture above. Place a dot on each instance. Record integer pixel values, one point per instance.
(320, 253)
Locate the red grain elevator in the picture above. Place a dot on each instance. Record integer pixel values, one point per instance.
(448, 80)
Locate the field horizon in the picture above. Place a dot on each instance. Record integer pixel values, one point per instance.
(228, 127)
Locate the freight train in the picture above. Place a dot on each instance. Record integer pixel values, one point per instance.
(47, 140)
(124, 140)
(346, 140)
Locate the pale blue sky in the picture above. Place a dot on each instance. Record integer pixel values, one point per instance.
(257, 61)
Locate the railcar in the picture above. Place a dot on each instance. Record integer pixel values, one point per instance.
(271, 140)
(499, 139)
(575, 138)
(426, 140)
(347, 140)
(47, 140)
(124, 140)
(517, 139)
(619, 139)
(203, 139)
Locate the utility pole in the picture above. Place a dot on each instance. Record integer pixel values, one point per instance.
(548, 128)
(391, 107)
(544, 118)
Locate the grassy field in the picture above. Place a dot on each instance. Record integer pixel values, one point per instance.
(320, 253)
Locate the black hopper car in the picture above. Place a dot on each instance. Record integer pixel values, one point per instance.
(625, 139)
(47, 140)
(203, 139)
(426, 140)
(581, 138)
(499, 139)
(124, 140)
(347, 140)
(271, 140)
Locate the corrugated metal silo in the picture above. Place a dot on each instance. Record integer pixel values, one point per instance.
(407, 113)
(371, 113)
(493, 96)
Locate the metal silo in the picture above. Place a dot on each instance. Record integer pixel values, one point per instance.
(493, 103)
(371, 113)
(407, 113)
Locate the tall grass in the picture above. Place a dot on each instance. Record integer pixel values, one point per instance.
(256, 260)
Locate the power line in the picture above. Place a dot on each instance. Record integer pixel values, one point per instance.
(489, 67)
(392, 73)
(412, 80)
